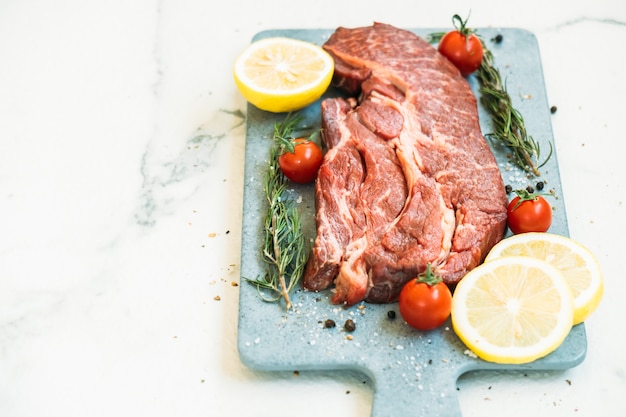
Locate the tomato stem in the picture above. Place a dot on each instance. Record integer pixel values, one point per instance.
(283, 133)
(461, 25)
(524, 195)
(429, 276)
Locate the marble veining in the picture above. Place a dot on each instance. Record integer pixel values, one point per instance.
(585, 19)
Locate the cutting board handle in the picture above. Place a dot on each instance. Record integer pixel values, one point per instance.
(401, 392)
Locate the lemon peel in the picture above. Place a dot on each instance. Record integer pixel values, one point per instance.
(280, 74)
(577, 263)
(513, 310)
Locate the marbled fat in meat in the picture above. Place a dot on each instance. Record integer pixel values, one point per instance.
(408, 178)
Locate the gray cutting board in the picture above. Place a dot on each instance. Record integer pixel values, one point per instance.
(414, 373)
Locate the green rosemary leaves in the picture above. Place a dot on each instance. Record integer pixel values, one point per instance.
(284, 247)
(508, 123)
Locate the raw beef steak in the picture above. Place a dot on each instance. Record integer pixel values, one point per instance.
(407, 178)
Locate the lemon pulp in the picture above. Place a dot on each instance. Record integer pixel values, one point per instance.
(512, 310)
(577, 264)
(282, 74)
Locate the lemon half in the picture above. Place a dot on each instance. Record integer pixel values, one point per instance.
(577, 264)
(512, 310)
(281, 74)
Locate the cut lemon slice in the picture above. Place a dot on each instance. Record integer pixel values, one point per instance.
(282, 74)
(577, 263)
(512, 310)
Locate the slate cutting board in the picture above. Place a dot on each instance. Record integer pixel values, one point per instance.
(414, 373)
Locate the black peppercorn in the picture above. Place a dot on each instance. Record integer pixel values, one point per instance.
(539, 185)
(350, 326)
(530, 189)
(391, 314)
(498, 38)
(508, 188)
(329, 323)
(553, 109)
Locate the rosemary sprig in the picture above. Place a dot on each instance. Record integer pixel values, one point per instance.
(283, 132)
(284, 247)
(508, 122)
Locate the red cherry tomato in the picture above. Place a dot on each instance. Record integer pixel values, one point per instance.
(462, 47)
(529, 212)
(302, 164)
(425, 301)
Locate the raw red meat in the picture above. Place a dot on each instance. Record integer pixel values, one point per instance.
(407, 179)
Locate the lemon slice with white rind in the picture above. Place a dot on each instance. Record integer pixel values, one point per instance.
(577, 264)
(281, 74)
(512, 310)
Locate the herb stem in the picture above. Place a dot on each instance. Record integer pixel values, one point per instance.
(508, 122)
(281, 276)
(284, 249)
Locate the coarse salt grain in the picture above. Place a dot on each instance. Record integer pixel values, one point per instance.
(470, 353)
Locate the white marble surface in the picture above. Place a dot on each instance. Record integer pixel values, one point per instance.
(121, 161)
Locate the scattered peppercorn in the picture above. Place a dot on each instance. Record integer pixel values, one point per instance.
(350, 326)
(508, 188)
(498, 38)
(553, 109)
(530, 189)
(329, 323)
(391, 314)
(539, 185)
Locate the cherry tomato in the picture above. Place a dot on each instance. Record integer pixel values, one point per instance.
(529, 212)
(462, 47)
(425, 301)
(302, 164)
